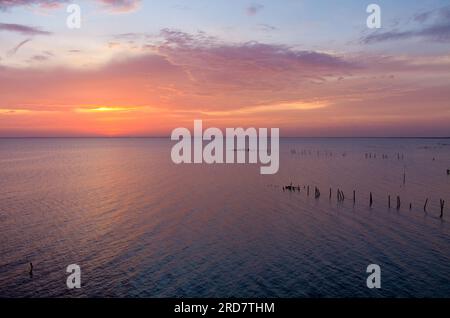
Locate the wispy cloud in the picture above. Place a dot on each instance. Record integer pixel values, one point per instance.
(7, 4)
(17, 47)
(117, 6)
(23, 29)
(266, 27)
(437, 33)
(121, 6)
(440, 14)
(39, 58)
(432, 26)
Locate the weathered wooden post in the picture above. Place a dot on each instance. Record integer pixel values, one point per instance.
(389, 201)
(398, 202)
(442, 208)
(425, 205)
(354, 196)
(342, 196)
(370, 200)
(316, 193)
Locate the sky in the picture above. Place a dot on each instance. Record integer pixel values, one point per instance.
(143, 68)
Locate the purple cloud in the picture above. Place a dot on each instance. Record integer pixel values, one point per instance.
(121, 6)
(441, 14)
(246, 72)
(40, 58)
(254, 9)
(118, 6)
(6, 4)
(437, 33)
(434, 26)
(23, 29)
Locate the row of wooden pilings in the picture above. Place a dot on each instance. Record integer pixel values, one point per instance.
(341, 197)
(326, 153)
(370, 155)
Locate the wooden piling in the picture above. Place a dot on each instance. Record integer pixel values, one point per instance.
(340, 195)
(316, 192)
(354, 196)
(370, 200)
(442, 208)
(389, 201)
(425, 205)
(398, 202)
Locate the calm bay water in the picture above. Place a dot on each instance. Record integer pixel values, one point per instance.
(141, 226)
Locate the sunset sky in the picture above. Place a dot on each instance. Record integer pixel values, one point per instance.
(143, 68)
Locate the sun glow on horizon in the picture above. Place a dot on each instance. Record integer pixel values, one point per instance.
(105, 109)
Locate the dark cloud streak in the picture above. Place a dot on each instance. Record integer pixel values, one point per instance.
(434, 26)
(23, 29)
(17, 47)
(436, 33)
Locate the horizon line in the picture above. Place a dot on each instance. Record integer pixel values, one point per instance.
(168, 137)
